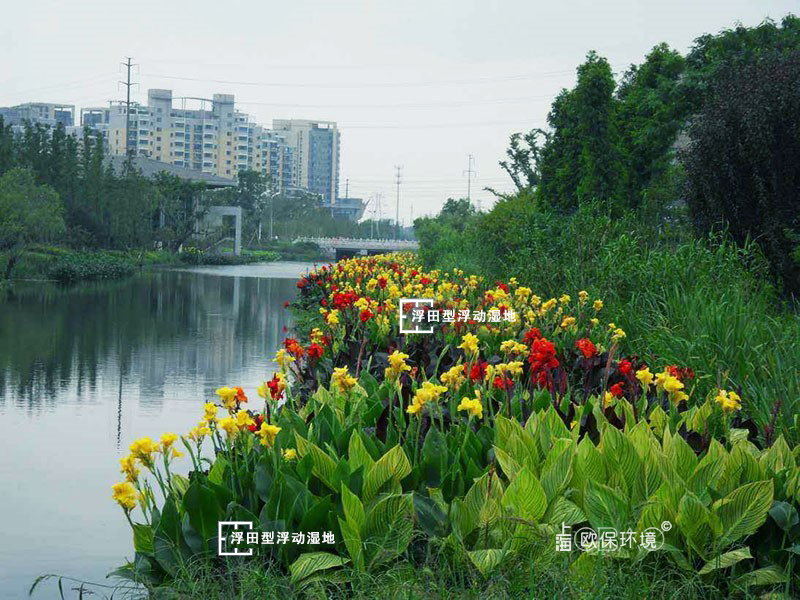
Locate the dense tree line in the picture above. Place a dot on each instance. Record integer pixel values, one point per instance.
(731, 104)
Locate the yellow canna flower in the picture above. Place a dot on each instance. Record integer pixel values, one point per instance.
(198, 433)
(583, 296)
(283, 358)
(210, 412)
(342, 379)
(128, 464)
(564, 299)
(515, 368)
(167, 440)
(567, 322)
(645, 376)
(597, 305)
(469, 344)
(125, 495)
(618, 334)
(397, 365)
(472, 406)
(453, 377)
(243, 419)
(289, 454)
(228, 425)
(728, 401)
(143, 449)
(268, 433)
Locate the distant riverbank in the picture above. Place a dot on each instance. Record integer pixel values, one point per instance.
(64, 265)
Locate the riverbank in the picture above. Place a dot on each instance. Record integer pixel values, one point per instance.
(430, 462)
(69, 266)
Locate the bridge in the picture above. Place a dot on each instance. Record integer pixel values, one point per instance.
(345, 247)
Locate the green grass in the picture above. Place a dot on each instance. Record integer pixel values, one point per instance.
(435, 578)
(700, 303)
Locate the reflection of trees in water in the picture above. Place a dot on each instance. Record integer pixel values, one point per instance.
(143, 329)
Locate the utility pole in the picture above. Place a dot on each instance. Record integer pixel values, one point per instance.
(127, 83)
(469, 173)
(398, 169)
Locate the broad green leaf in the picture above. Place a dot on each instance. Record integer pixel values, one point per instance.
(525, 497)
(487, 560)
(563, 512)
(694, 520)
(509, 466)
(352, 541)
(393, 464)
(311, 562)
(143, 538)
(725, 560)
(324, 466)
(606, 507)
(217, 470)
(743, 510)
(353, 509)
(203, 509)
(557, 467)
(771, 575)
(430, 516)
(785, 515)
(357, 454)
(388, 529)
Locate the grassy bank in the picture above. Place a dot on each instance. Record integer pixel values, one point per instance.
(69, 266)
(701, 303)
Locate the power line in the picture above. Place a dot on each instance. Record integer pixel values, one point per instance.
(390, 84)
(488, 102)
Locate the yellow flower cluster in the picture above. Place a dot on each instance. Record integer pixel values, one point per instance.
(397, 365)
(470, 345)
(472, 406)
(672, 385)
(125, 495)
(429, 392)
(728, 401)
(342, 379)
(454, 377)
(268, 433)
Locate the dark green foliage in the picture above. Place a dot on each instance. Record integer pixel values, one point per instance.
(90, 267)
(743, 165)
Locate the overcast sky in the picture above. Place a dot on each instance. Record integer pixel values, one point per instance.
(417, 84)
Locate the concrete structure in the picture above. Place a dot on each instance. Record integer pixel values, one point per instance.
(150, 167)
(215, 218)
(351, 209)
(316, 155)
(207, 135)
(345, 247)
(44, 113)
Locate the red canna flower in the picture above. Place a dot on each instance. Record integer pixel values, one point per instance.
(616, 390)
(365, 315)
(532, 334)
(240, 395)
(625, 367)
(259, 419)
(586, 347)
(315, 351)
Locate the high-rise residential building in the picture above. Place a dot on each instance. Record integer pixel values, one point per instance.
(213, 138)
(44, 113)
(316, 155)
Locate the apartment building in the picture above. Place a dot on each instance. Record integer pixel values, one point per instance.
(206, 135)
(316, 154)
(44, 113)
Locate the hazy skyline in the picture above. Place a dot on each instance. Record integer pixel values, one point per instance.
(415, 84)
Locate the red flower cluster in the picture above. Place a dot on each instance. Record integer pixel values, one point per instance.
(682, 373)
(542, 359)
(586, 347)
(315, 351)
(274, 387)
(240, 395)
(293, 347)
(366, 315)
(477, 372)
(616, 390)
(532, 334)
(342, 300)
(502, 383)
(625, 367)
(259, 419)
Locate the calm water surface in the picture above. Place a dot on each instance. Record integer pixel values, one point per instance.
(85, 370)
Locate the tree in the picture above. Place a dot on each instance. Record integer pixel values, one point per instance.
(180, 205)
(743, 162)
(522, 165)
(29, 213)
(580, 162)
(652, 110)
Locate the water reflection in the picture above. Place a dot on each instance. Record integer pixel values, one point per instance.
(145, 329)
(84, 371)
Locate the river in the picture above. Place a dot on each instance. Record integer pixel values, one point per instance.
(85, 370)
